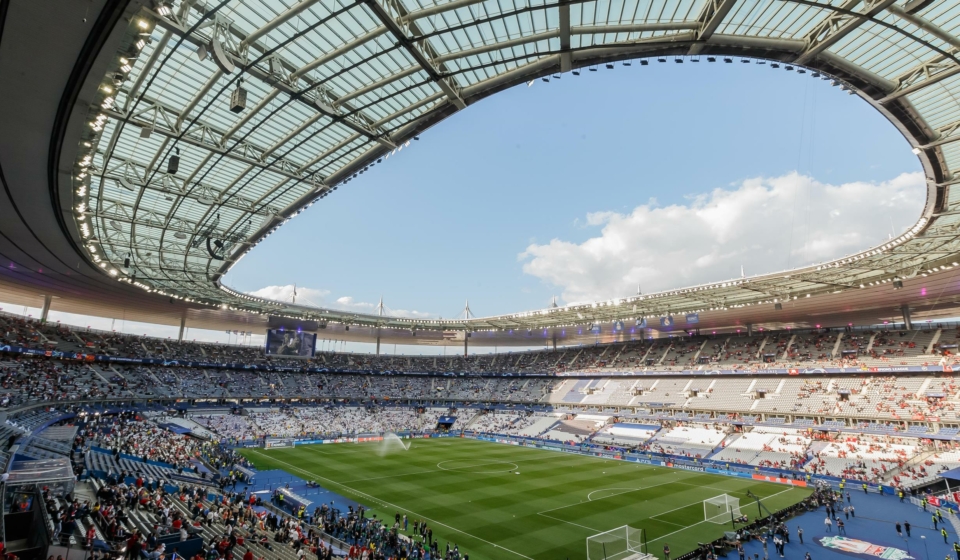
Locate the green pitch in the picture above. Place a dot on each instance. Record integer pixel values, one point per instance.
(468, 492)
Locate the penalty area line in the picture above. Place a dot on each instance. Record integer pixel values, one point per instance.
(377, 500)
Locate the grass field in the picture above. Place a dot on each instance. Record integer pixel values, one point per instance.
(468, 492)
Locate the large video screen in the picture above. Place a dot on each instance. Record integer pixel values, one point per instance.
(291, 343)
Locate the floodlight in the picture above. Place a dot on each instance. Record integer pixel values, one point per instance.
(711, 59)
(644, 62)
(202, 53)
(609, 66)
(728, 60)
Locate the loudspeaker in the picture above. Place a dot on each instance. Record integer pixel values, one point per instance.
(238, 100)
(897, 284)
(778, 306)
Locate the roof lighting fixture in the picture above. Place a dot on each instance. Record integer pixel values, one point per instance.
(142, 24)
(815, 75)
(788, 68)
(711, 59)
(627, 63)
(678, 60)
(593, 68)
(644, 62)
(661, 59)
(745, 60)
(576, 72)
(774, 65)
(609, 66)
(728, 60)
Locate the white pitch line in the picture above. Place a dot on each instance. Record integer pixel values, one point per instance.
(375, 499)
(543, 513)
(625, 491)
(704, 521)
(571, 523)
(605, 497)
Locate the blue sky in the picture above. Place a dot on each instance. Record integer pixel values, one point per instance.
(449, 218)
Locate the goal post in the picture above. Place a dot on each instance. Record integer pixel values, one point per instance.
(622, 543)
(721, 509)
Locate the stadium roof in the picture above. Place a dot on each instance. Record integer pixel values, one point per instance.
(333, 87)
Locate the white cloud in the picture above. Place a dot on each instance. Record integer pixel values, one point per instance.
(763, 224)
(319, 298)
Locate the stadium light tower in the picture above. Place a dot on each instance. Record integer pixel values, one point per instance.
(380, 310)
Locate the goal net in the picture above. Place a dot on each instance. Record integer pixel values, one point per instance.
(720, 509)
(622, 543)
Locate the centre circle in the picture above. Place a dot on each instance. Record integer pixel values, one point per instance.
(477, 466)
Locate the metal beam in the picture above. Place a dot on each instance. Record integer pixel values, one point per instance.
(710, 19)
(946, 134)
(405, 110)
(320, 157)
(566, 58)
(286, 16)
(434, 10)
(632, 28)
(289, 87)
(420, 55)
(838, 25)
(919, 77)
(914, 6)
(523, 40)
(147, 68)
(925, 24)
(250, 114)
(338, 52)
(379, 84)
(200, 94)
(177, 134)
